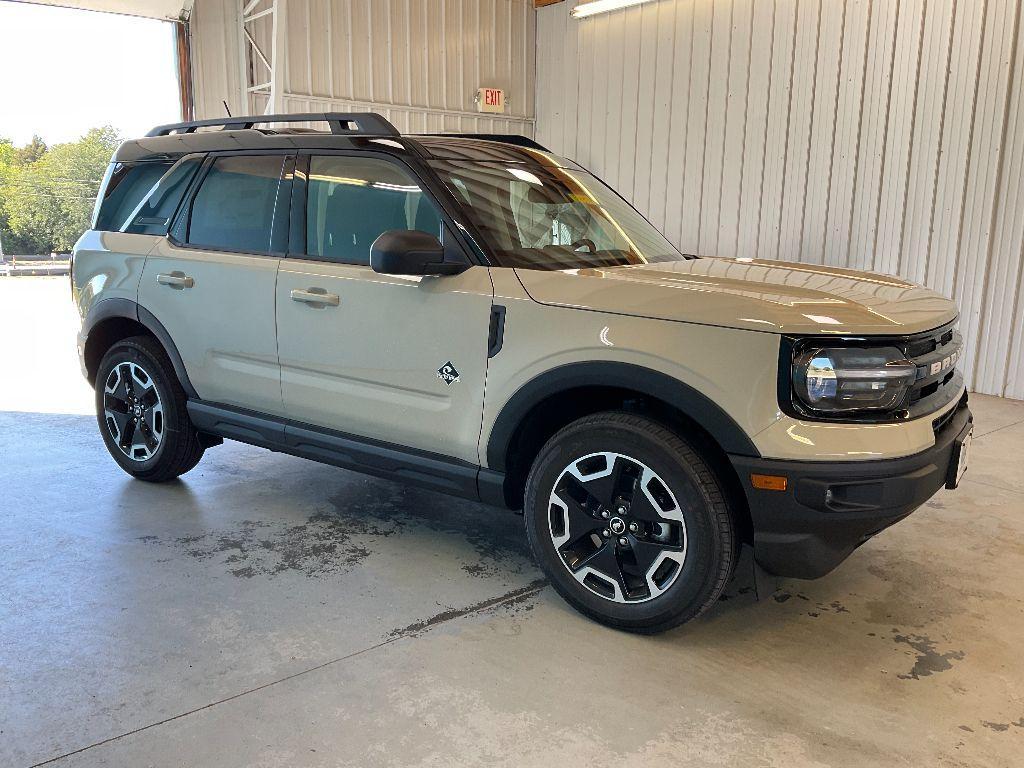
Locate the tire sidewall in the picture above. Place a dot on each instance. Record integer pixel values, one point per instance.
(691, 590)
(131, 352)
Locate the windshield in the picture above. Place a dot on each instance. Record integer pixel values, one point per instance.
(538, 217)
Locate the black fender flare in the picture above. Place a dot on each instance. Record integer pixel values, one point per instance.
(105, 309)
(695, 405)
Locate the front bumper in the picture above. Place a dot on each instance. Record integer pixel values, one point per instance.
(830, 508)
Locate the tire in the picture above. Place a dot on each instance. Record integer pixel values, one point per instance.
(160, 443)
(675, 562)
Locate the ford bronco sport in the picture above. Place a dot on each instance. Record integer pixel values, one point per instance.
(478, 316)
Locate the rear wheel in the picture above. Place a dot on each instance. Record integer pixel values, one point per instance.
(629, 522)
(140, 406)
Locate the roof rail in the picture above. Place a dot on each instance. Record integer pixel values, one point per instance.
(340, 122)
(503, 138)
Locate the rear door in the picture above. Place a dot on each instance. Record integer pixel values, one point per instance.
(398, 359)
(211, 281)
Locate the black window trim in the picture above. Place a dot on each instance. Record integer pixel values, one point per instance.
(457, 245)
(282, 206)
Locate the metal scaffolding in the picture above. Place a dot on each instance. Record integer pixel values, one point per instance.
(262, 75)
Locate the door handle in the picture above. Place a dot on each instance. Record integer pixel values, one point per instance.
(316, 296)
(176, 280)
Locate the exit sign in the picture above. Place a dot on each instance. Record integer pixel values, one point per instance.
(490, 100)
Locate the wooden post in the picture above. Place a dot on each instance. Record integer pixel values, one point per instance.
(183, 49)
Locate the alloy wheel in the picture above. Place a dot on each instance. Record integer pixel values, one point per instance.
(133, 412)
(617, 527)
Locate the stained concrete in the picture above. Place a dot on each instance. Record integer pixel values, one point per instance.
(266, 610)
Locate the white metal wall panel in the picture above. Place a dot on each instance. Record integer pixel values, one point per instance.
(418, 62)
(780, 103)
(871, 147)
(876, 134)
(999, 358)
(924, 159)
(216, 67)
(793, 190)
(984, 163)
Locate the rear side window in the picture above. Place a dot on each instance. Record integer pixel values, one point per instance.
(153, 214)
(234, 207)
(352, 200)
(125, 186)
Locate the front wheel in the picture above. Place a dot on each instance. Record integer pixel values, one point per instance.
(629, 522)
(140, 406)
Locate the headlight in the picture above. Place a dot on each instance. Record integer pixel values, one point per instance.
(844, 379)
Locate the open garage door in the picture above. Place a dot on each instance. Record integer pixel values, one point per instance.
(171, 10)
(176, 11)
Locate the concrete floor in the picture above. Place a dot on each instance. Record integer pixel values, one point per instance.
(270, 611)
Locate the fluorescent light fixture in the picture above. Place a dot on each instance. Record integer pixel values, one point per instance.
(602, 6)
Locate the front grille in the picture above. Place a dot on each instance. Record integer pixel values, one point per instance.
(936, 354)
(917, 346)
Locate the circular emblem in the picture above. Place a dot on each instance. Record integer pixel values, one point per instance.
(137, 409)
(617, 525)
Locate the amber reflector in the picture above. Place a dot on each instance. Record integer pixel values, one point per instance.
(768, 482)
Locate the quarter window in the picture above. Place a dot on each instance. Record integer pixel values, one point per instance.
(352, 200)
(234, 208)
(126, 185)
(153, 214)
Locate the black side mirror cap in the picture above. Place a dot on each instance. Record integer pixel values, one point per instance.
(411, 252)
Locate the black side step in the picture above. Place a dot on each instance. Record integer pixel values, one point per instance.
(427, 470)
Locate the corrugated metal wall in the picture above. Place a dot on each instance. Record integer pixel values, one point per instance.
(216, 67)
(876, 134)
(417, 62)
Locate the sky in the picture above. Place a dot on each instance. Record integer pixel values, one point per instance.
(65, 71)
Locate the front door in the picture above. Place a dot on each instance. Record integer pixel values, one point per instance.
(400, 360)
(211, 285)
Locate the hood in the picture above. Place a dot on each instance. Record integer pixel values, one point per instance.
(754, 294)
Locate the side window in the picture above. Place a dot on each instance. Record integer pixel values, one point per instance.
(153, 214)
(234, 207)
(125, 186)
(352, 200)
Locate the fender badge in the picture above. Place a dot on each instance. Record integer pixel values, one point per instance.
(447, 373)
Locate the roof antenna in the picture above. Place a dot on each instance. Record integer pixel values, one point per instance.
(226, 108)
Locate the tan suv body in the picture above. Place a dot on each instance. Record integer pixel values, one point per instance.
(483, 318)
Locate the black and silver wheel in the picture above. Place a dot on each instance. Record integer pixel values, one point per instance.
(629, 522)
(133, 411)
(140, 406)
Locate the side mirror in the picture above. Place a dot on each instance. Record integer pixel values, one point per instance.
(410, 252)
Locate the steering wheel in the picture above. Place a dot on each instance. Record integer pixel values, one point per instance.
(584, 241)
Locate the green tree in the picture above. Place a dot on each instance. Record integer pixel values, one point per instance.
(8, 162)
(48, 201)
(31, 152)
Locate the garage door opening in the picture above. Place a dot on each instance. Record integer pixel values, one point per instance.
(76, 83)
